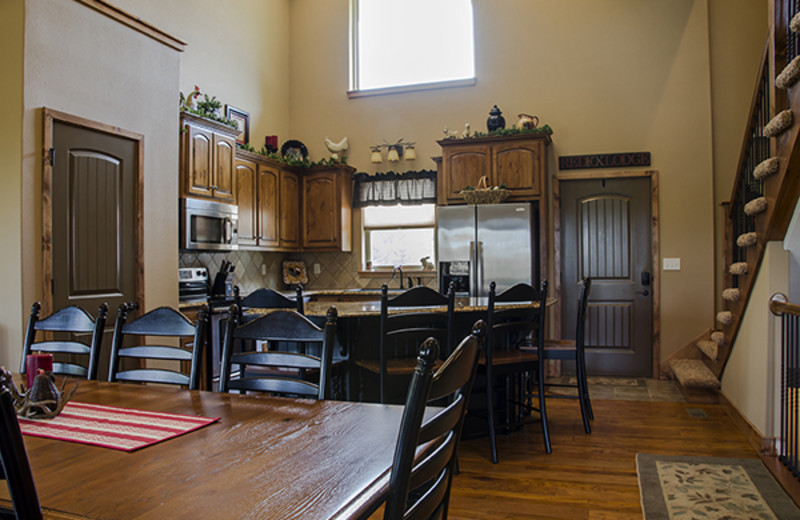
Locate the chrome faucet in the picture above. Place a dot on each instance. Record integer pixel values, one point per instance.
(398, 269)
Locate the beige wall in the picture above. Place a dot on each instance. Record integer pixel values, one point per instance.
(611, 76)
(80, 62)
(236, 50)
(12, 15)
(752, 375)
(738, 32)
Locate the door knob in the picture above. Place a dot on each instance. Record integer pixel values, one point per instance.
(644, 292)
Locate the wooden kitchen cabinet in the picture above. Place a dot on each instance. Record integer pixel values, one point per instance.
(518, 161)
(256, 188)
(327, 208)
(289, 226)
(269, 204)
(208, 151)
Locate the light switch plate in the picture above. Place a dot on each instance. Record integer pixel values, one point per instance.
(317, 269)
(672, 264)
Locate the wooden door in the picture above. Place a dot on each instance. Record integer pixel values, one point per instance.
(464, 166)
(320, 211)
(268, 210)
(199, 161)
(223, 169)
(94, 222)
(290, 210)
(606, 234)
(246, 194)
(518, 165)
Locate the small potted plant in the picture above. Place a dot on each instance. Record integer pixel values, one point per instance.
(209, 106)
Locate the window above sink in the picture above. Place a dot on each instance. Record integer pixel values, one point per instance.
(398, 235)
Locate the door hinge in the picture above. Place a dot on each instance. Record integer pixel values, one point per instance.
(52, 286)
(51, 157)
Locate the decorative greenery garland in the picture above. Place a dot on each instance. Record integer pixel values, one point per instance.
(544, 129)
(291, 161)
(213, 116)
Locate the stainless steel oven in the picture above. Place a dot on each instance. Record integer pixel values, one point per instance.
(209, 225)
(193, 284)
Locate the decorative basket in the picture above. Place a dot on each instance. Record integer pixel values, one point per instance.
(483, 194)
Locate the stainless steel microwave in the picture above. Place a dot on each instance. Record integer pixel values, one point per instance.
(209, 225)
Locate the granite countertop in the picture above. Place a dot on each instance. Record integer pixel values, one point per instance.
(373, 308)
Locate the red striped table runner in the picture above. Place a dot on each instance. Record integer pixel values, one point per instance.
(112, 427)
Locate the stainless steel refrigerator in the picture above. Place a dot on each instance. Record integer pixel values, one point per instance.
(480, 244)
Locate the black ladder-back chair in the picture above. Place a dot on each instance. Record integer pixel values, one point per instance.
(266, 298)
(70, 321)
(288, 372)
(162, 322)
(15, 466)
(510, 328)
(425, 454)
(573, 350)
(404, 324)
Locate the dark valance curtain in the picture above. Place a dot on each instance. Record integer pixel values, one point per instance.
(388, 189)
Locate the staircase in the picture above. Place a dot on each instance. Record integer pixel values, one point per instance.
(763, 198)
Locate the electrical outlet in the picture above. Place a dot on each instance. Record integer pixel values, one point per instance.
(672, 264)
(263, 269)
(317, 269)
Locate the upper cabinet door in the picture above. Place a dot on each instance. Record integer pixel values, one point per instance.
(246, 194)
(224, 154)
(269, 211)
(321, 211)
(518, 165)
(464, 166)
(290, 210)
(199, 159)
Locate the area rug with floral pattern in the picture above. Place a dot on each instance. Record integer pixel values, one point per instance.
(710, 488)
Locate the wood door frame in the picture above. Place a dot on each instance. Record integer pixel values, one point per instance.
(53, 116)
(654, 238)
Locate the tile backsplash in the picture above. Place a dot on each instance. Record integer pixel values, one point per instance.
(248, 267)
(337, 270)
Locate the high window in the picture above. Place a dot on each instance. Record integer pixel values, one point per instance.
(398, 235)
(410, 44)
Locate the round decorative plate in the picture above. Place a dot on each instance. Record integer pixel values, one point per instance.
(293, 149)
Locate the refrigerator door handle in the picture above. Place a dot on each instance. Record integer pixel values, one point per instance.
(473, 282)
(479, 268)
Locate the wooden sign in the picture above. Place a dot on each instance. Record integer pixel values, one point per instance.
(607, 160)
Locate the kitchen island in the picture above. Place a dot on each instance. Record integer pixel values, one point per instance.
(358, 329)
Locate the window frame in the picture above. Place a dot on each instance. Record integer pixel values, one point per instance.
(355, 91)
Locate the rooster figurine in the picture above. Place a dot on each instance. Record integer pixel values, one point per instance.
(187, 102)
(336, 148)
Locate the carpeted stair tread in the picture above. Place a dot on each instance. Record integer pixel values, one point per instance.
(779, 124)
(709, 348)
(693, 373)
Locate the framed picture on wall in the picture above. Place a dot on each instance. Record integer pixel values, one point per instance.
(243, 118)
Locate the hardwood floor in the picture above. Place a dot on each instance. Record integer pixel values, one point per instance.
(589, 477)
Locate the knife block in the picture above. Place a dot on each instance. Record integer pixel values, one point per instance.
(223, 284)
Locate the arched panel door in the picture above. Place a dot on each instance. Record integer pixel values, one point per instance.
(606, 234)
(93, 239)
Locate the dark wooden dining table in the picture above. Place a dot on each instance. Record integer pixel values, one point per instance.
(265, 458)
